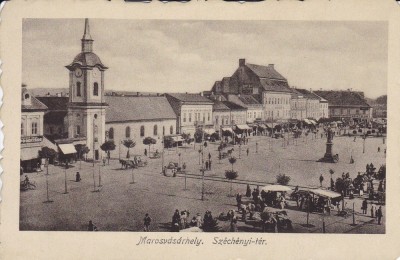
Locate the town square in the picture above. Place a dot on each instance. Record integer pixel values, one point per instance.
(248, 153)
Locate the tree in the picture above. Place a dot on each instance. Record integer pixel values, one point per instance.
(231, 175)
(282, 179)
(48, 153)
(149, 141)
(232, 161)
(168, 141)
(382, 172)
(108, 146)
(81, 149)
(129, 143)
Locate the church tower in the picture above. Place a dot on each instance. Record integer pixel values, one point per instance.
(86, 107)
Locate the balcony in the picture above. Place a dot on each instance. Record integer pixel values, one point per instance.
(31, 139)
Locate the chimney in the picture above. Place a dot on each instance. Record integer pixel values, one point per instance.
(310, 90)
(201, 93)
(219, 98)
(271, 65)
(137, 93)
(158, 94)
(242, 62)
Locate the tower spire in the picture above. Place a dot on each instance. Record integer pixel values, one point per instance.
(87, 42)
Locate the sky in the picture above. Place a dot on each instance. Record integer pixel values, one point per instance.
(189, 55)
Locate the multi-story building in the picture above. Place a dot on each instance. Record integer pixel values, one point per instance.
(265, 84)
(298, 106)
(32, 114)
(192, 111)
(346, 105)
(255, 110)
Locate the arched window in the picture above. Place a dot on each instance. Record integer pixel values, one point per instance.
(155, 130)
(142, 131)
(111, 133)
(78, 89)
(127, 132)
(171, 130)
(26, 96)
(78, 130)
(95, 89)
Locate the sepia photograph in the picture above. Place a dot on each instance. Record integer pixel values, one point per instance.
(249, 126)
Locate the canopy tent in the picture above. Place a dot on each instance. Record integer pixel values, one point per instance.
(312, 122)
(269, 125)
(30, 153)
(276, 187)
(262, 126)
(243, 127)
(228, 129)
(321, 192)
(209, 131)
(307, 121)
(67, 148)
(177, 138)
(325, 193)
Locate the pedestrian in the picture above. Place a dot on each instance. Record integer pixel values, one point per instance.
(104, 161)
(91, 226)
(379, 149)
(379, 214)
(233, 227)
(364, 206)
(247, 151)
(209, 165)
(145, 152)
(248, 191)
(373, 209)
(355, 137)
(206, 165)
(321, 179)
(209, 156)
(78, 177)
(146, 223)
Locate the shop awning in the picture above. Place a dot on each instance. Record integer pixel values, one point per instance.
(307, 121)
(312, 122)
(325, 193)
(227, 129)
(243, 127)
(67, 148)
(269, 125)
(30, 153)
(209, 131)
(262, 126)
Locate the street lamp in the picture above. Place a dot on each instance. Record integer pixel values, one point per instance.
(240, 150)
(202, 182)
(256, 147)
(364, 137)
(65, 175)
(179, 161)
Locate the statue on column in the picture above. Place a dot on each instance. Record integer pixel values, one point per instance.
(329, 157)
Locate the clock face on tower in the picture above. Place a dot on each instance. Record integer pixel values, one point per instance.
(78, 72)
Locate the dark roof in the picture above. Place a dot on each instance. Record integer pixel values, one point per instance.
(55, 117)
(220, 106)
(190, 97)
(265, 71)
(233, 106)
(122, 109)
(89, 59)
(34, 106)
(249, 100)
(343, 98)
(274, 85)
(307, 93)
(55, 103)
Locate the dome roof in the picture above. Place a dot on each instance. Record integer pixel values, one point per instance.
(88, 59)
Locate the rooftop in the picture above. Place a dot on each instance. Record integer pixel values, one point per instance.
(233, 106)
(190, 97)
(265, 71)
(123, 109)
(342, 98)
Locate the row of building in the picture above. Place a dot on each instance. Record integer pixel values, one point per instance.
(254, 94)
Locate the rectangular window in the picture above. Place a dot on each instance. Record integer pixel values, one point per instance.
(78, 130)
(184, 117)
(190, 117)
(34, 128)
(204, 117)
(22, 129)
(208, 117)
